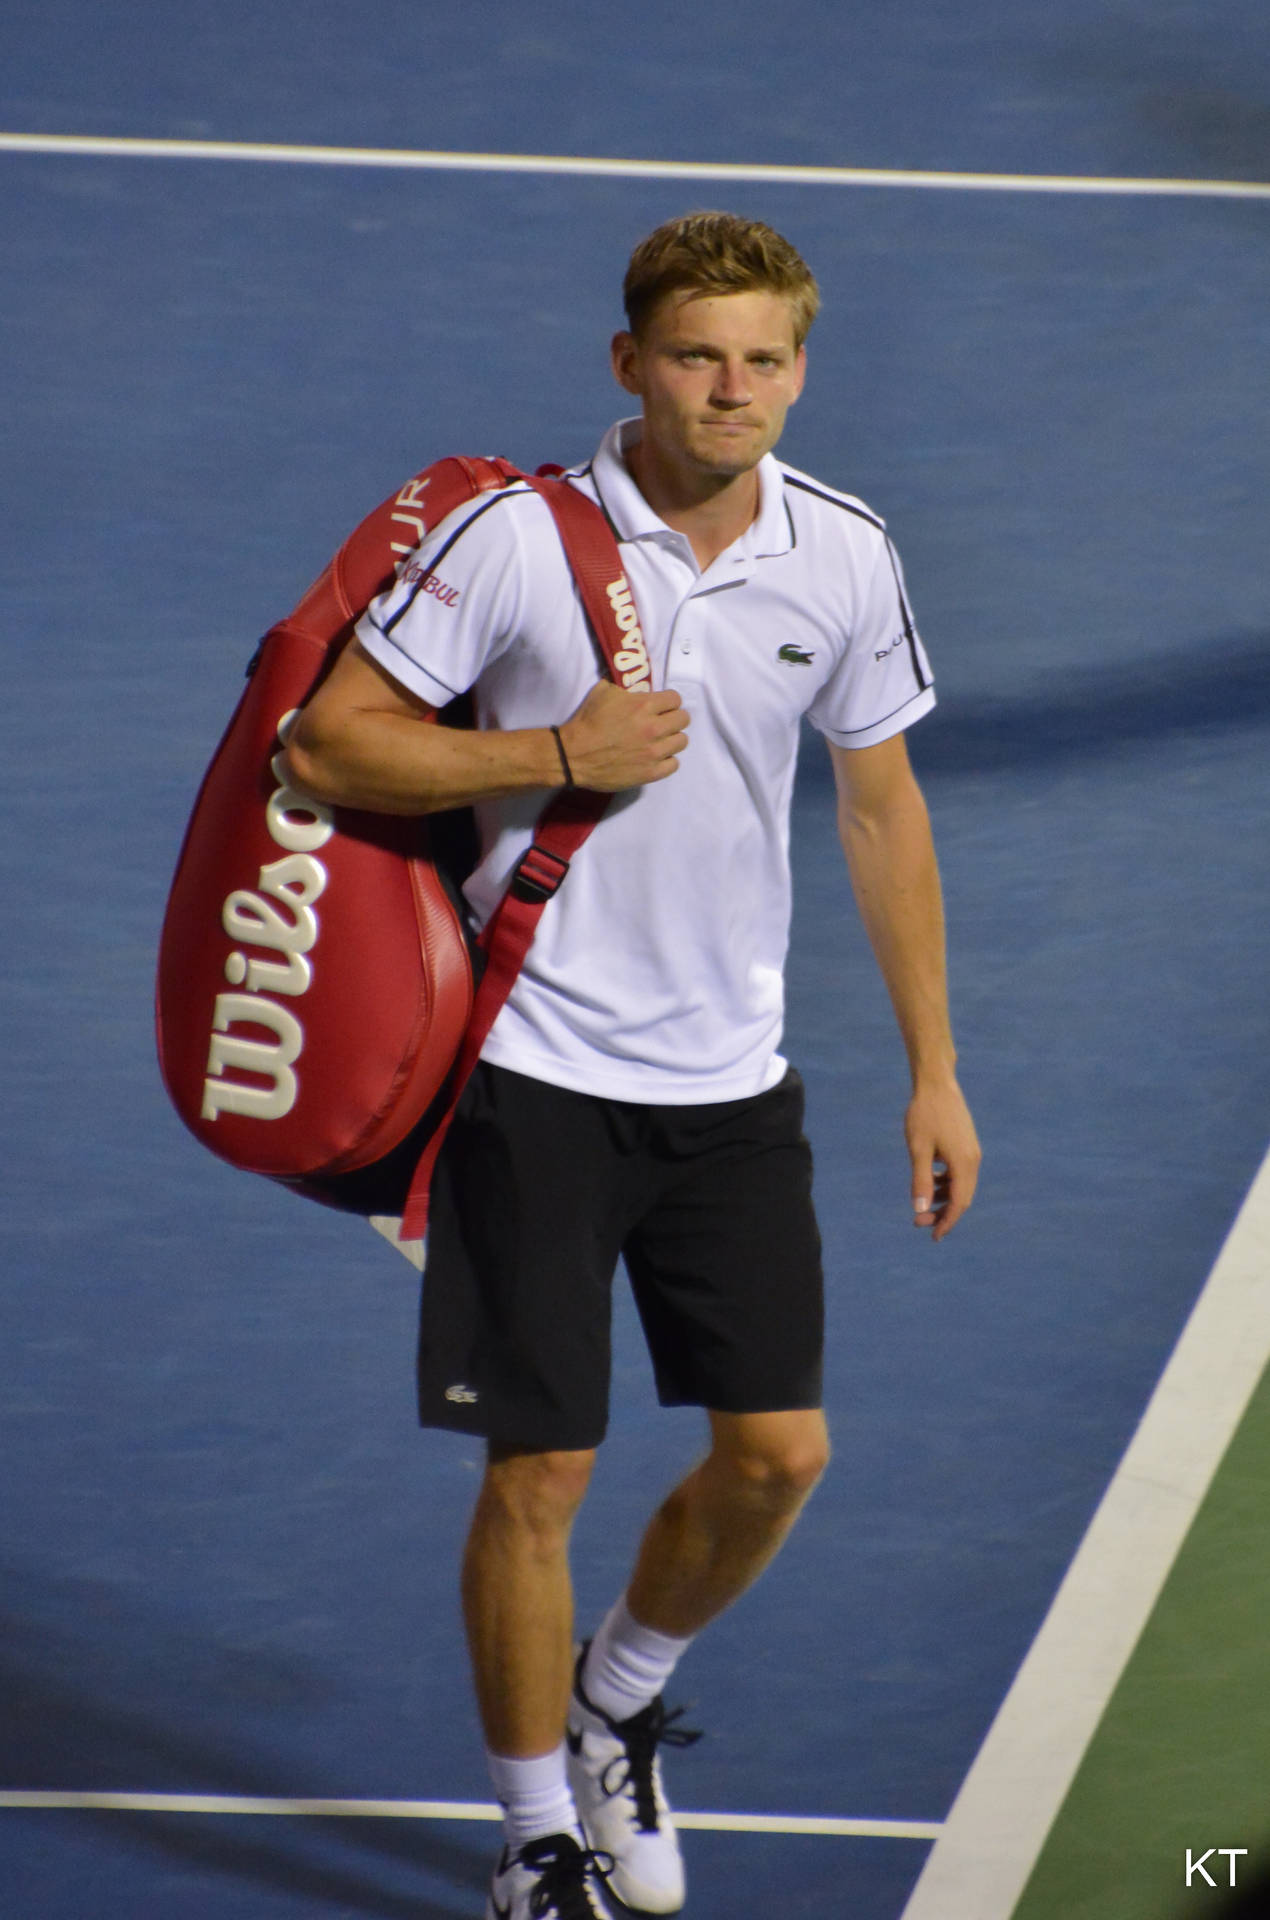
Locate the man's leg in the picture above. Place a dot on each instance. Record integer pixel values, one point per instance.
(528, 1213)
(518, 1609)
(518, 1597)
(708, 1542)
(713, 1536)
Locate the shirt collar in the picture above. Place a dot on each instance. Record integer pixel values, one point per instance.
(633, 519)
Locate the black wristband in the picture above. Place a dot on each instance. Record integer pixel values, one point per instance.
(564, 758)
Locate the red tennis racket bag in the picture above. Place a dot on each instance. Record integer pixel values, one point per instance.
(315, 974)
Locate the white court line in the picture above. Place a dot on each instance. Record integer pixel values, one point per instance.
(106, 147)
(1012, 1794)
(242, 1804)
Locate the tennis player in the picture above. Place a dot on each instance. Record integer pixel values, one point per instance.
(632, 1099)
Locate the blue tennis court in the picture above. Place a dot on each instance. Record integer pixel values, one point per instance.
(228, 1556)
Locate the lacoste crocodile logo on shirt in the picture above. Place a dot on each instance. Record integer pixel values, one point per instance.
(795, 655)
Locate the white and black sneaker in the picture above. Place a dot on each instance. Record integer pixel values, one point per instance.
(615, 1775)
(549, 1879)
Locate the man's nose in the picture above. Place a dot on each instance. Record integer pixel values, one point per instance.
(731, 384)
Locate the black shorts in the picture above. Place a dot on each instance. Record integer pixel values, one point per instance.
(538, 1190)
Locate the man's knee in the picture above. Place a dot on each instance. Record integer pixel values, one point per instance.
(773, 1459)
(536, 1493)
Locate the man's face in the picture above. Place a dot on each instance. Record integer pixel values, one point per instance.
(717, 374)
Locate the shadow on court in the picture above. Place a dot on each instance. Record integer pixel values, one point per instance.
(121, 1704)
(1225, 684)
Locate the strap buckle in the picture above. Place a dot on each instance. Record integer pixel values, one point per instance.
(538, 875)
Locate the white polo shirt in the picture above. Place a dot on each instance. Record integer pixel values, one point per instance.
(656, 973)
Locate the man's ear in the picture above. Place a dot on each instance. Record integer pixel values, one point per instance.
(800, 372)
(624, 352)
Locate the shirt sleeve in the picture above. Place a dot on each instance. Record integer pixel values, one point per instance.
(883, 681)
(456, 601)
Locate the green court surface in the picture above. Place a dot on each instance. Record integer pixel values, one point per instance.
(1181, 1757)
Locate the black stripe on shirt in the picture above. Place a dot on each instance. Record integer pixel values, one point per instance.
(495, 499)
(906, 612)
(836, 500)
(910, 634)
(847, 732)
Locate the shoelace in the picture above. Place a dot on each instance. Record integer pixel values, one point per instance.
(641, 1736)
(561, 1892)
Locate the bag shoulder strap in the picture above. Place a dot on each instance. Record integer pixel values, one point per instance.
(590, 547)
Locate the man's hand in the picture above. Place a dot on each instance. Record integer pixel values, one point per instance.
(618, 739)
(945, 1153)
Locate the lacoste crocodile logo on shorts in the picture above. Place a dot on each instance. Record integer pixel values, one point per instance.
(795, 655)
(462, 1396)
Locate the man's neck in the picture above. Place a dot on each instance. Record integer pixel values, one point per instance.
(711, 511)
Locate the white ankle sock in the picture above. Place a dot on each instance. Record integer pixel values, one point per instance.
(535, 1797)
(627, 1664)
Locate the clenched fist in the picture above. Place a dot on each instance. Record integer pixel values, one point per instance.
(618, 739)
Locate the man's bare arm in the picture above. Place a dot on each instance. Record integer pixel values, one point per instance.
(364, 741)
(885, 833)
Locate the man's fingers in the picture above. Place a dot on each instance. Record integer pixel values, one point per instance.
(954, 1191)
(952, 1201)
(618, 739)
(924, 1184)
(945, 1156)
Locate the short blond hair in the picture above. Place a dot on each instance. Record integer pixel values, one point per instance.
(707, 253)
